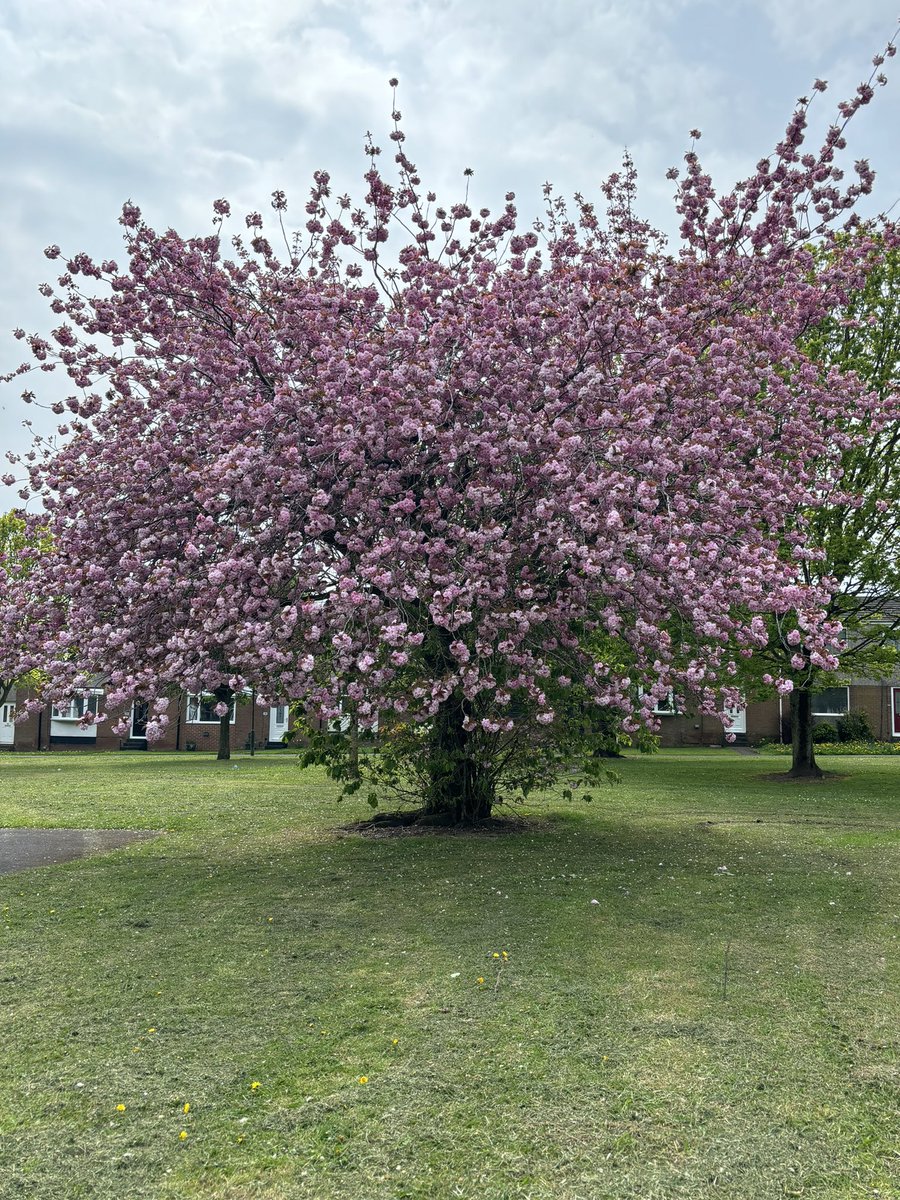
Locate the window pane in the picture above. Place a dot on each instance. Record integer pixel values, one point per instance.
(831, 701)
(201, 709)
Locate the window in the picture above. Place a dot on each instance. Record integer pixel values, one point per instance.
(831, 702)
(76, 708)
(665, 706)
(201, 709)
(281, 714)
(895, 710)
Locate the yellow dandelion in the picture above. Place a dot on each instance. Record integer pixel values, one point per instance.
(495, 955)
(152, 1029)
(120, 1108)
(363, 1079)
(187, 1108)
(255, 1085)
(480, 979)
(183, 1134)
(505, 955)
(395, 1041)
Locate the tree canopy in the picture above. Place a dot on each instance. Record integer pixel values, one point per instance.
(857, 528)
(22, 544)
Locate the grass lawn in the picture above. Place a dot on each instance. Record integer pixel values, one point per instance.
(723, 1022)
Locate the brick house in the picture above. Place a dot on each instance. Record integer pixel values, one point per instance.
(769, 719)
(192, 726)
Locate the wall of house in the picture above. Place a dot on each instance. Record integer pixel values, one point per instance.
(43, 731)
(876, 701)
(766, 722)
(764, 719)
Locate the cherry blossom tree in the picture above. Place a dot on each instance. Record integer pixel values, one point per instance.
(428, 468)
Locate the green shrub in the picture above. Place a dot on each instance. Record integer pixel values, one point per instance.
(854, 726)
(847, 748)
(825, 732)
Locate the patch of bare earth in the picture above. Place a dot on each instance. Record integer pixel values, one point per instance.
(419, 824)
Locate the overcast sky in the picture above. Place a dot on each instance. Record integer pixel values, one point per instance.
(173, 103)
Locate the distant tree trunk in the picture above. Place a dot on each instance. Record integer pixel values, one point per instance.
(224, 695)
(460, 790)
(353, 748)
(803, 759)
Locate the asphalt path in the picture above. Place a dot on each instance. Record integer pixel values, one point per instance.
(21, 849)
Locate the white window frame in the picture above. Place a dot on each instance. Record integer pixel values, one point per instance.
(75, 709)
(194, 701)
(669, 710)
(895, 712)
(832, 713)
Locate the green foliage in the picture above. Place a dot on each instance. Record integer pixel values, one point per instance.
(840, 748)
(861, 537)
(21, 544)
(855, 726)
(401, 762)
(825, 732)
(858, 532)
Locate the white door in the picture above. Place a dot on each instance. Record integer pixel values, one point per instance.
(279, 718)
(140, 711)
(7, 725)
(738, 720)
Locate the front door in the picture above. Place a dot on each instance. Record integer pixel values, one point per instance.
(7, 725)
(738, 720)
(278, 722)
(139, 714)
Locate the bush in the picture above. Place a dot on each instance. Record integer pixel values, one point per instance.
(825, 732)
(838, 748)
(854, 726)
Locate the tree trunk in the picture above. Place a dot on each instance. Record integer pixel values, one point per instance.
(459, 790)
(803, 764)
(224, 695)
(353, 748)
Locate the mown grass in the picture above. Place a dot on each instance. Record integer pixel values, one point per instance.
(723, 1022)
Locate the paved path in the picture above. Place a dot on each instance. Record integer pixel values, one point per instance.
(24, 848)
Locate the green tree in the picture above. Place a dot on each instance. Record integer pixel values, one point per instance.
(22, 542)
(859, 532)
